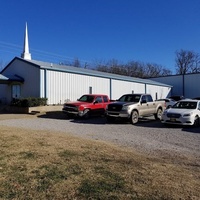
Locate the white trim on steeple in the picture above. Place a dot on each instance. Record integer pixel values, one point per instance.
(26, 55)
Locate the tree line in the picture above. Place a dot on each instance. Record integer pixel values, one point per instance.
(186, 62)
(133, 69)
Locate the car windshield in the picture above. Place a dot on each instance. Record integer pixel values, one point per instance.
(86, 98)
(130, 98)
(185, 105)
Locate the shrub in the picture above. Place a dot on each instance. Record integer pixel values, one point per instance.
(29, 102)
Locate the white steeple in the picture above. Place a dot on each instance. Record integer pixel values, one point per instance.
(26, 55)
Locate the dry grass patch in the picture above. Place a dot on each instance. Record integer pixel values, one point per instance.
(47, 165)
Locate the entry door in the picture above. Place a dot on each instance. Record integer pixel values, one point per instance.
(16, 90)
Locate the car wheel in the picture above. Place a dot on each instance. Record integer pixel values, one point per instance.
(158, 115)
(196, 121)
(86, 113)
(134, 117)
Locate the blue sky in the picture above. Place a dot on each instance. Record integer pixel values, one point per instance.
(98, 30)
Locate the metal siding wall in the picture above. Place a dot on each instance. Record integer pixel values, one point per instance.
(99, 85)
(122, 87)
(62, 87)
(192, 88)
(175, 81)
(2, 91)
(162, 92)
(79, 84)
(5, 93)
(53, 87)
(31, 85)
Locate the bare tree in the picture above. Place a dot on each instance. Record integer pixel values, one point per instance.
(196, 65)
(102, 68)
(152, 70)
(100, 65)
(187, 62)
(76, 63)
(166, 72)
(134, 69)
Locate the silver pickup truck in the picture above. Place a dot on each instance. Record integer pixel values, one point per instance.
(133, 106)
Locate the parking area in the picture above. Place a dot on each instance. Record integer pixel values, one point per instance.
(148, 136)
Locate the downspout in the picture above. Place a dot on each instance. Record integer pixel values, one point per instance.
(110, 88)
(45, 83)
(183, 85)
(145, 88)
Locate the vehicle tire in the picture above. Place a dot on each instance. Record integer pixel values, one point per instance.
(110, 119)
(196, 121)
(86, 113)
(134, 117)
(158, 115)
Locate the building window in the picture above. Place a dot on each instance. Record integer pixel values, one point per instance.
(16, 91)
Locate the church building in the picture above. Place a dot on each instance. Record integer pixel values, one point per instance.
(24, 77)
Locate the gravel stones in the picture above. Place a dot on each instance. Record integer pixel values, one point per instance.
(148, 136)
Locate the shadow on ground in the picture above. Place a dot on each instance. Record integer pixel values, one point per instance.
(191, 129)
(62, 116)
(143, 122)
(53, 115)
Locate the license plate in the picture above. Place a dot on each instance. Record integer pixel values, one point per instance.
(172, 119)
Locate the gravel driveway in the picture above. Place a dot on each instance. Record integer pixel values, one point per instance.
(148, 136)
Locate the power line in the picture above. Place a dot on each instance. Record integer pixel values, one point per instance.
(41, 53)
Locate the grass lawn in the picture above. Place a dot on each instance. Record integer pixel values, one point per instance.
(53, 165)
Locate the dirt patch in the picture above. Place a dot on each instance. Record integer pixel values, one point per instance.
(14, 116)
(48, 114)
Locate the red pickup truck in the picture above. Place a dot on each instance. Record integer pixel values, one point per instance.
(87, 105)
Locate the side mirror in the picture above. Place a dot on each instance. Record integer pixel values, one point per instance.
(95, 102)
